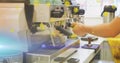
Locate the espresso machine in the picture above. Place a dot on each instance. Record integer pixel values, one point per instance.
(46, 33)
(42, 31)
(76, 14)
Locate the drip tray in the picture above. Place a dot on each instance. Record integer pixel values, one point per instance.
(46, 55)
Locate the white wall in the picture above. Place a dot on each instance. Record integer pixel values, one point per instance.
(92, 7)
(117, 3)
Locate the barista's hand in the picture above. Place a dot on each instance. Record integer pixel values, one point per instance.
(79, 29)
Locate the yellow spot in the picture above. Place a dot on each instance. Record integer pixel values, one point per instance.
(12, 30)
(105, 14)
(76, 10)
(113, 39)
(98, 1)
(52, 20)
(17, 7)
(62, 22)
(48, 4)
(42, 27)
(73, 36)
(36, 2)
(53, 34)
(67, 3)
(113, 6)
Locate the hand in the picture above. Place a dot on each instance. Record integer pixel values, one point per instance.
(79, 29)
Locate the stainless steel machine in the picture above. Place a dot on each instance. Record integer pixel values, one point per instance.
(46, 35)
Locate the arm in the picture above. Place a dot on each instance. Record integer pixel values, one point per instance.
(105, 30)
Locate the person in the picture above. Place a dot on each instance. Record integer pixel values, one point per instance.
(111, 29)
(107, 30)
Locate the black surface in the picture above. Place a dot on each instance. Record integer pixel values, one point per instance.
(86, 38)
(29, 10)
(63, 31)
(73, 60)
(58, 59)
(81, 12)
(57, 12)
(68, 56)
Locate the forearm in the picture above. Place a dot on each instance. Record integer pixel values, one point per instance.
(105, 30)
(100, 30)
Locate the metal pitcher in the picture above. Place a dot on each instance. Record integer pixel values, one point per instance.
(108, 13)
